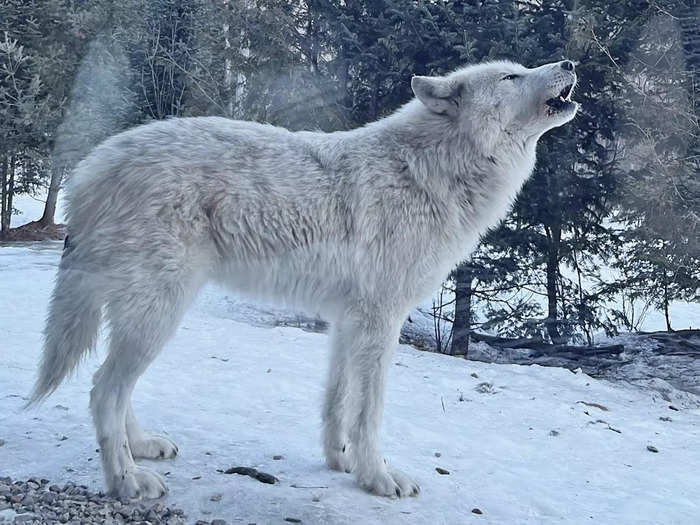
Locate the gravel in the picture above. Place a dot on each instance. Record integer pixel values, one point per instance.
(38, 502)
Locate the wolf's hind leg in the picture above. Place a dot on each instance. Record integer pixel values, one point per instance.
(145, 445)
(142, 317)
(109, 398)
(338, 405)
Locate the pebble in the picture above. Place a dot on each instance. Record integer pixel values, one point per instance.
(38, 501)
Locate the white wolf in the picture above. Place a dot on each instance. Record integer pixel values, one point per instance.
(359, 225)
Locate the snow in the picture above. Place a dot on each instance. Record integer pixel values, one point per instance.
(518, 441)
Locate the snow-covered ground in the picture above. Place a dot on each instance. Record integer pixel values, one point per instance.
(520, 442)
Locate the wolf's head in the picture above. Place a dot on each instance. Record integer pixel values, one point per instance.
(498, 98)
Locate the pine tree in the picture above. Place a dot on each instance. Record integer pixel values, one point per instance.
(555, 229)
(658, 213)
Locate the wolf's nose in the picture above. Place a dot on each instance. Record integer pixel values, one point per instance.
(567, 65)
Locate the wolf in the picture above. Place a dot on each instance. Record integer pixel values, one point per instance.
(359, 225)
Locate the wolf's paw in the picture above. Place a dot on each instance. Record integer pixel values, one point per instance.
(339, 459)
(153, 447)
(390, 483)
(140, 483)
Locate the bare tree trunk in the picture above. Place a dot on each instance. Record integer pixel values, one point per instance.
(666, 305)
(8, 189)
(47, 219)
(461, 327)
(10, 195)
(552, 321)
(3, 193)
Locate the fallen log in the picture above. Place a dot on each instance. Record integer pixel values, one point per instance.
(502, 342)
(685, 334)
(540, 347)
(573, 352)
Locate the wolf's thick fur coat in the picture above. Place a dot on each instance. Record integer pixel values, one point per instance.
(357, 225)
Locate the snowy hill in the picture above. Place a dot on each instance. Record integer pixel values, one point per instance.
(524, 444)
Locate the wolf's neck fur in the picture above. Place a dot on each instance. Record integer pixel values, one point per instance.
(481, 171)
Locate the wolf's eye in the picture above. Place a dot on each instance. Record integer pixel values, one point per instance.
(510, 77)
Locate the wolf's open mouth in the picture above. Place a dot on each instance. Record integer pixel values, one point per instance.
(561, 102)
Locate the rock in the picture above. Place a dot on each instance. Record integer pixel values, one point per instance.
(485, 388)
(437, 454)
(263, 477)
(22, 518)
(48, 497)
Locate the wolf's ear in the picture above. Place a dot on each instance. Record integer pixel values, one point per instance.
(439, 95)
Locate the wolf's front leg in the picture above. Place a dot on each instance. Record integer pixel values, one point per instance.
(338, 406)
(371, 343)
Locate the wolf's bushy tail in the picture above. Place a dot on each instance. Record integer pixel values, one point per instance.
(72, 326)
